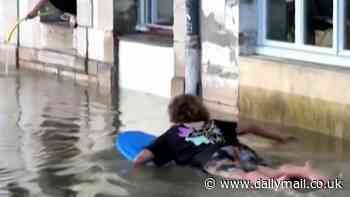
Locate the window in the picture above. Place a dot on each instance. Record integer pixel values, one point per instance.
(58, 12)
(155, 14)
(307, 30)
(53, 15)
(318, 24)
(281, 28)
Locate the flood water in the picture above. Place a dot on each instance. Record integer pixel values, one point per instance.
(57, 135)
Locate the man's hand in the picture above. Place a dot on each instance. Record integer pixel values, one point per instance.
(286, 139)
(143, 157)
(32, 14)
(266, 134)
(35, 11)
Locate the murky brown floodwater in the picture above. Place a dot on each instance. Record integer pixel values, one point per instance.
(56, 139)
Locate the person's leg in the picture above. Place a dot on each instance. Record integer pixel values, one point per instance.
(229, 169)
(224, 168)
(305, 171)
(285, 172)
(270, 172)
(252, 176)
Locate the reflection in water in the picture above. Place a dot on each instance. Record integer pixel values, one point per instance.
(51, 130)
(56, 139)
(319, 23)
(281, 21)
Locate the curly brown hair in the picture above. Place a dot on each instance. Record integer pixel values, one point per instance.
(187, 108)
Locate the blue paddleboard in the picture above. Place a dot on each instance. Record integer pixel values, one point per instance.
(131, 143)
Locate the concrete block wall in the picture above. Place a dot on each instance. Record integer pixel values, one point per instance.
(57, 38)
(59, 46)
(7, 56)
(46, 43)
(95, 36)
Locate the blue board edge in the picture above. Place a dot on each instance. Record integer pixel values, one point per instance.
(139, 135)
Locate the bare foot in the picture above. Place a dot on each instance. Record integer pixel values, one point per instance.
(314, 174)
(308, 165)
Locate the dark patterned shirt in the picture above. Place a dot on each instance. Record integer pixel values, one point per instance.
(193, 147)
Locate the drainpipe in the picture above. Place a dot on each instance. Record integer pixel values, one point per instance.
(193, 49)
(18, 44)
(86, 60)
(115, 71)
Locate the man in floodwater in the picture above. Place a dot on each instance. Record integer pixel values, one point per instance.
(68, 7)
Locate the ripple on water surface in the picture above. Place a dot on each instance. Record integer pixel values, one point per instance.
(56, 139)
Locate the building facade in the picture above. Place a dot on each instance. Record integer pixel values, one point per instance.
(152, 55)
(48, 43)
(283, 62)
(294, 64)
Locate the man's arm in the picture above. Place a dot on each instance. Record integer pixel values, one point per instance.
(265, 133)
(144, 157)
(34, 12)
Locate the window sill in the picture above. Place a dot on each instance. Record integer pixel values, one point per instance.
(160, 30)
(304, 56)
(272, 60)
(149, 38)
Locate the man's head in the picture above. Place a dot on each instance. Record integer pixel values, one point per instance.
(187, 108)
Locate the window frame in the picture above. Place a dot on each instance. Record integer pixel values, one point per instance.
(336, 55)
(146, 11)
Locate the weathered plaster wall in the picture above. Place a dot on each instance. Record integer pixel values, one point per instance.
(219, 34)
(179, 29)
(125, 12)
